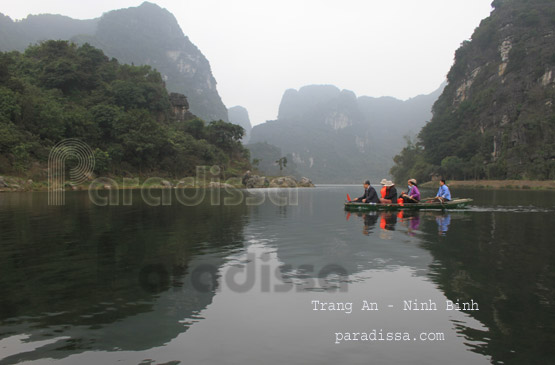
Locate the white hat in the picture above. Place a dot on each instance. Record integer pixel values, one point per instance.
(383, 182)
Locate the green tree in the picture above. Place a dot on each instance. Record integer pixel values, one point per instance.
(453, 167)
(225, 135)
(282, 163)
(102, 161)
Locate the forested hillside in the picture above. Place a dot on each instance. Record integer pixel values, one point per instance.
(495, 119)
(57, 90)
(142, 35)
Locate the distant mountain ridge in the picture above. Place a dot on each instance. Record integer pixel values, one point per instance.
(335, 137)
(146, 34)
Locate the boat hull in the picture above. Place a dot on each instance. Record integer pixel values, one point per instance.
(453, 204)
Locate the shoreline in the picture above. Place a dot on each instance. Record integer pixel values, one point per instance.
(14, 184)
(495, 184)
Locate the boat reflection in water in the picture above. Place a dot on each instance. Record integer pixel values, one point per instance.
(370, 219)
(443, 222)
(387, 221)
(410, 220)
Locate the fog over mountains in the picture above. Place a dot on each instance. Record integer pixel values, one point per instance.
(334, 136)
(328, 134)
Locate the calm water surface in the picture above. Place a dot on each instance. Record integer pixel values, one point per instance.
(140, 284)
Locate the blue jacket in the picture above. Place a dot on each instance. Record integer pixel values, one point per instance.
(444, 192)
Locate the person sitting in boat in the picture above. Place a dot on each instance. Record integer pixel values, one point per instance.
(383, 190)
(443, 194)
(390, 194)
(413, 194)
(369, 196)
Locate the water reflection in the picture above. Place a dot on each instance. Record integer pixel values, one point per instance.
(79, 272)
(500, 255)
(388, 220)
(87, 283)
(443, 221)
(411, 220)
(504, 261)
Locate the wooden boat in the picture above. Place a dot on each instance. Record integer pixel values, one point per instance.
(453, 204)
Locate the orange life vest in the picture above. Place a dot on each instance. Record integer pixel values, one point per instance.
(384, 191)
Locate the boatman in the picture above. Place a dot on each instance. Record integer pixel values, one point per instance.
(369, 196)
(443, 194)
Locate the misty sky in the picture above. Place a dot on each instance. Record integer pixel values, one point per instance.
(260, 48)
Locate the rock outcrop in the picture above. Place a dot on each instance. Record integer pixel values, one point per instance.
(305, 182)
(283, 182)
(254, 181)
(180, 107)
(220, 185)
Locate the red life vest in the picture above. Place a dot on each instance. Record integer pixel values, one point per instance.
(384, 191)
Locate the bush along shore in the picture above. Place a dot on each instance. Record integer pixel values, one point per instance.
(496, 184)
(248, 181)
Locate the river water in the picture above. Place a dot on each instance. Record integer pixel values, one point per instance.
(263, 282)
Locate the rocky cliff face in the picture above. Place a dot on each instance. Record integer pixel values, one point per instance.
(496, 117)
(239, 115)
(333, 136)
(144, 35)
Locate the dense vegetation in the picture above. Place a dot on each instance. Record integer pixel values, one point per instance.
(495, 119)
(57, 90)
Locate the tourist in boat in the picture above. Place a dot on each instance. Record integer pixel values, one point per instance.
(390, 194)
(369, 196)
(443, 194)
(384, 188)
(413, 194)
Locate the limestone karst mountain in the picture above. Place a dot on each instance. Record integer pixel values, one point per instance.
(335, 137)
(495, 119)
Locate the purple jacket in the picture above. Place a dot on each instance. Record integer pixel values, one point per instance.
(414, 193)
